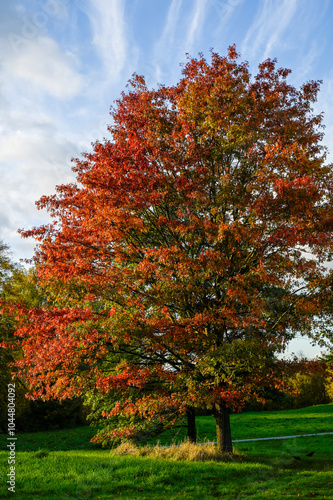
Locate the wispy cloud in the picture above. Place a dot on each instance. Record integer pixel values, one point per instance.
(268, 29)
(181, 33)
(308, 60)
(167, 38)
(167, 44)
(325, 104)
(109, 34)
(223, 10)
(196, 23)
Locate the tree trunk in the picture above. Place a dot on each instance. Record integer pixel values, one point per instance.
(223, 430)
(191, 428)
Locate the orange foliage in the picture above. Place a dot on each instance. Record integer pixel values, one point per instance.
(183, 240)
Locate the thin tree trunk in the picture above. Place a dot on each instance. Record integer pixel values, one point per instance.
(191, 428)
(223, 430)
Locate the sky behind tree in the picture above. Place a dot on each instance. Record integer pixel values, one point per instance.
(64, 62)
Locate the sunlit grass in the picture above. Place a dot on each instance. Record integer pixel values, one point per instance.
(252, 425)
(262, 473)
(65, 465)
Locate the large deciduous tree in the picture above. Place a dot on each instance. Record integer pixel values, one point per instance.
(195, 238)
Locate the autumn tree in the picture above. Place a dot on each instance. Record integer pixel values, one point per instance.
(196, 235)
(18, 286)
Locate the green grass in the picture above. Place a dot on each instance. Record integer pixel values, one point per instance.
(100, 474)
(69, 467)
(77, 438)
(244, 426)
(252, 425)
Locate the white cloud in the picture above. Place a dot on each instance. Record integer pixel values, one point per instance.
(41, 63)
(109, 34)
(38, 163)
(268, 29)
(38, 159)
(35, 149)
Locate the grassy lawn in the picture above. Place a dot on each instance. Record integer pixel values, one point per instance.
(70, 467)
(261, 424)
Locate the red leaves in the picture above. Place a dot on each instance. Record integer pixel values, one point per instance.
(132, 376)
(181, 249)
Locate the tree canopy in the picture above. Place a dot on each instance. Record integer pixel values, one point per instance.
(194, 242)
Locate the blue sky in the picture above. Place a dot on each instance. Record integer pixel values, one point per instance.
(64, 62)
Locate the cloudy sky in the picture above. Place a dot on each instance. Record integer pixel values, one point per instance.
(64, 62)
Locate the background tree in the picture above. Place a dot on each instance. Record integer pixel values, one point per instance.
(5, 326)
(15, 285)
(198, 233)
(18, 286)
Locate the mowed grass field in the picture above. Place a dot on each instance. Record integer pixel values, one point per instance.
(65, 465)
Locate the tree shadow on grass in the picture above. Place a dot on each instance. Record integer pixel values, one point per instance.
(57, 440)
